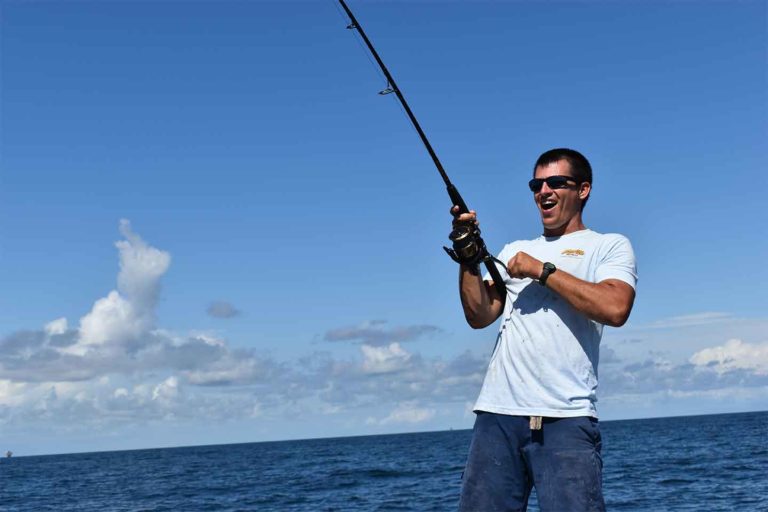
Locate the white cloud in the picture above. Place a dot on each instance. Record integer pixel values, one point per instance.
(208, 338)
(735, 364)
(167, 390)
(408, 412)
(391, 358)
(723, 394)
(107, 369)
(112, 321)
(141, 267)
(695, 319)
(58, 326)
(119, 368)
(684, 335)
(734, 355)
(11, 393)
(125, 314)
(233, 368)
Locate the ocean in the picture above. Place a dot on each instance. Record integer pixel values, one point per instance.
(693, 463)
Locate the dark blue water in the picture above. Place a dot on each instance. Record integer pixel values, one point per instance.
(694, 463)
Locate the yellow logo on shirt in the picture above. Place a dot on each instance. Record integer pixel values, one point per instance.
(574, 253)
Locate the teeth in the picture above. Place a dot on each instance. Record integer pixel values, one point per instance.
(548, 204)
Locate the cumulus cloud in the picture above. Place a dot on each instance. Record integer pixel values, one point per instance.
(141, 267)
(110, 364)
(222, 309)
(58, 326)
(734, 364)
(167, 390)
(387, 359)
(117, 366)
(125, 314)
(375, 333)
(734, 355)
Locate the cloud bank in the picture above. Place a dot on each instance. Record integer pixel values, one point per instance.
(735, 364)
(117, 366)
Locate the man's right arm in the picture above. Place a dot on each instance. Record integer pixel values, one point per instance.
(480, 300)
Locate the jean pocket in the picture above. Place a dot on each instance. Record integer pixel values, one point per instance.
(595, 435)
(591, 430)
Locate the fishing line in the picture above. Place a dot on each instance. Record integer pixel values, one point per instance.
(387, 90)
(468, 247)
(363, 49)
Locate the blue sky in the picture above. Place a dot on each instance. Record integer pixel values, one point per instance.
(258, 172)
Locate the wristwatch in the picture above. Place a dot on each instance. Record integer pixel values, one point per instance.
(549, 268)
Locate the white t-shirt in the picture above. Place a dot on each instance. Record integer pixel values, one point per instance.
(546, 354)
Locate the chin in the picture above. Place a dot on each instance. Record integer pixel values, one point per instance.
(552, 223)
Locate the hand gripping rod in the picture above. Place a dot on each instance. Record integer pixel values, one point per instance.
(453, 193)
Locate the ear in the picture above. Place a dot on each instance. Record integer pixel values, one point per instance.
(584, 190)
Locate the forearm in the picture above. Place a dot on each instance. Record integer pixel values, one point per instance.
(607, 302)
(480, 301)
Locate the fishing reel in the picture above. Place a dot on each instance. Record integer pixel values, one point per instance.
(468, 247)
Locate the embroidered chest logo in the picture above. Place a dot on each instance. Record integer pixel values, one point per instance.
(573, 253)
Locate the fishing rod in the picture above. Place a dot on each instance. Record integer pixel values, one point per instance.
(468, 247)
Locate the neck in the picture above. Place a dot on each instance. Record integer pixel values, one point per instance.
(575, 224)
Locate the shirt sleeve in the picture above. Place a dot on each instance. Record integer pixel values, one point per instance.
(618, 262)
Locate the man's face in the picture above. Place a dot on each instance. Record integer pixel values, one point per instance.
(560, 208)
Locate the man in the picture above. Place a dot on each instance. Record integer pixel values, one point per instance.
(536, 419)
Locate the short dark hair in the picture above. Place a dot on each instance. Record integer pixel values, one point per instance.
(580, 167)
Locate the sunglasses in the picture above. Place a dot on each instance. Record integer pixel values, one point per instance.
(553, 182)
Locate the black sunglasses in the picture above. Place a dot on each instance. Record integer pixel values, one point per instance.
(553, 182)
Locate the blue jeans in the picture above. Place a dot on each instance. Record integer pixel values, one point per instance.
(506, 459)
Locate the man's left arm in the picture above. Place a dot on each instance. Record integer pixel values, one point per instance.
(608, 302)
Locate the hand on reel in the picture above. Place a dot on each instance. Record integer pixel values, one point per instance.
(468, 246)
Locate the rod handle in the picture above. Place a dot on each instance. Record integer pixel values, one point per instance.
(456, 198)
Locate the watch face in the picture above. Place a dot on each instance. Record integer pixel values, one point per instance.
(549, 267)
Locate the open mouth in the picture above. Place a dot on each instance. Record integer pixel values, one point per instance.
(548, 205)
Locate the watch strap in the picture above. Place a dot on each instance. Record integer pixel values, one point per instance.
(548, 270)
